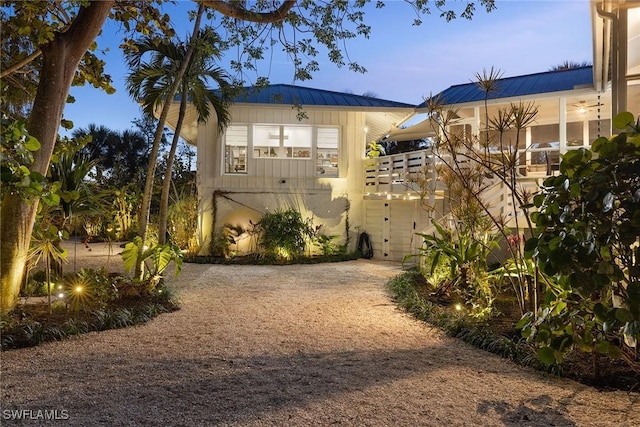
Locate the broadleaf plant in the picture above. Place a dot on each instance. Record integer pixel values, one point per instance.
(589, 241)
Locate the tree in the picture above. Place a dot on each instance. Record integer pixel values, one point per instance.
(151, 81)
(56, 39)
(120, 157)
(568, 65)
(140, 87)
(61, 54)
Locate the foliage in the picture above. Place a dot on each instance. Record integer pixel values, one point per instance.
(325, 243)
(219, 245)
(589, 222)
(89, 289)
(25, 327)
(312, 28)
(375, 149)
(466, 258)
(18, 148)
(123, 210)
(120, 157)
(151, 81)
(159, 256)
(407, 290)
(183, 220)
(45, 246)
(58, 38)
(471, 171)
(284, 233)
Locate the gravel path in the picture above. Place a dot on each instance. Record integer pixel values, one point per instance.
(291, 346)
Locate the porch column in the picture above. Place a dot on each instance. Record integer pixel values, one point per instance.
(563, 125)
(527, 145)
(585, 132)
(475, 126)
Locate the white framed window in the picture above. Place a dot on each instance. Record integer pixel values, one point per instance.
(243, 142)
(327, 151)
(236, 144)
(281, 141)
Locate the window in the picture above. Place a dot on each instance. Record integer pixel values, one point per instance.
(236, 144)
(282, 141)
(295, 142)
(327, 151)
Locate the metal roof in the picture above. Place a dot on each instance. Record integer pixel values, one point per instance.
(530, 84)
(298, 95)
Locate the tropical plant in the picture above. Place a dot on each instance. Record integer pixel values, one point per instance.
(183, 220)
(284, 233)
(568, 65)
(156, 259)
(52, 44)
(46, 247)
(152, 80)
(465, 255)
(119, 158)
(467, 167)
(375, 149)
(589, 222)
(326, 243)
(142, 87)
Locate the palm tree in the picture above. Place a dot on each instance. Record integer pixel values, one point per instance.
(100, 148)
(194, 89)
(155, 84)
(569, 65)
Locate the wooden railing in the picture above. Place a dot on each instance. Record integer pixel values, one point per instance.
(394, 173)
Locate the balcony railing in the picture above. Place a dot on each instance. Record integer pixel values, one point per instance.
(400, 174)
(396, 173)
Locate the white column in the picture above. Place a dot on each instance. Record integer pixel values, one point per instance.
(475, 126)
(527, 144)
(563, 124)
(585, 132)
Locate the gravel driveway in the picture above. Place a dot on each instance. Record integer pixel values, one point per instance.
(290, 346)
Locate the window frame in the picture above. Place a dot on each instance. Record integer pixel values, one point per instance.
(251, 149)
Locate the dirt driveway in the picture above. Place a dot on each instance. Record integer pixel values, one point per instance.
(291, 346)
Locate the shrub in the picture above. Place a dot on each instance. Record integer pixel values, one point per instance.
(284, 233)
(589, 222)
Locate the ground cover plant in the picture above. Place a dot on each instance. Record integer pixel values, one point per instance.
(498, 335)
(90, 300)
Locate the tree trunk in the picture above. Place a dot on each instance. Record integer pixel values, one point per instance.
(60, 59)
(145, 208)
(166, 183)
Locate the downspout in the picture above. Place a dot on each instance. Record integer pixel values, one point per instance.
(612, 19)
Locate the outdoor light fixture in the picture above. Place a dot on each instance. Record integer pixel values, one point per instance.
(458, 307)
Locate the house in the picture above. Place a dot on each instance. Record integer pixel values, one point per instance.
(288, 147)
(292, 146)
(616, 52)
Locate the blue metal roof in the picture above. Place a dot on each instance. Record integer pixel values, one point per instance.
(530, 84)
(298, 95)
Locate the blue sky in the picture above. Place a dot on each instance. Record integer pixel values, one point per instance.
(404, 62)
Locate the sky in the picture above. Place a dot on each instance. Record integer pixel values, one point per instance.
(404, 63)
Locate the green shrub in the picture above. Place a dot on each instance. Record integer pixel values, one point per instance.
(408, 290)
(284, 234)
(589, 224)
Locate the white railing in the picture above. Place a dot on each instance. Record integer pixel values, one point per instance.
(397, 173)
(394, 173)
